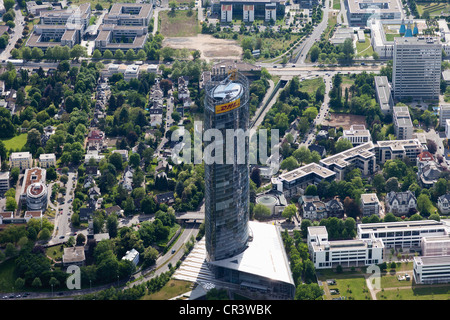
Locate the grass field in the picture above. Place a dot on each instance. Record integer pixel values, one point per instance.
(172, 289)
(364, 48)
(16, 142)
(351, 285)
(7, 275)
(180, 24)
(416, 293)
(337, 4)
(311, 85)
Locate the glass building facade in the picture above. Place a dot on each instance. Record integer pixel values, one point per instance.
(227, 184)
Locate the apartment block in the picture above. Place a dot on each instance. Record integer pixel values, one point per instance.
(444, 114)
(402, 123)
(21, 160)
(4, 181)
(416, 68)
(370, 205)
(47, 160)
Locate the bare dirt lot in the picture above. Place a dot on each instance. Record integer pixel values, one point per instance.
(344, 120)
(211, 48)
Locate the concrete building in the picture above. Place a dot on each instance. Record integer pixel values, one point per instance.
(132, 255)
(432, 270)
(357, 134)
(404, 234)
(359, 12)
(74, 256)
(447, 128)
(295, 182)
(435, 246)
(21, 160)
(444, 114)
(402, 123)
(113, 37)
(34, 189)
(370, 204)
(341, 34)
(60, 27)
(248, 10)
(383, 94)
(129, 14)
(327, 254)
(47, 160)
(4, 182)
(416, 68)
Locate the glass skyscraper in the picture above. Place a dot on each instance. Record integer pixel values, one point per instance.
(227, 184)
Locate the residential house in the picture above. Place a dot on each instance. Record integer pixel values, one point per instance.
(443, 203)
(167, 197)
(313, 208)
(400, 203)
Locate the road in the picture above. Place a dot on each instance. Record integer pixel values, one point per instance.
(17, 33)
(63, 213)
(299, 54)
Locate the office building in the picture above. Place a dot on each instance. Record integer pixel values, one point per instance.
(129, 14)
(132, 255)
(444, 114)
(405, 234)
(113, 37)
(359, 12)
(21, 160)
(227, 184)
(64, 27)
(402, 123)
(34, 189)
(383, 94)
(247, 255)
(416, 68)
(435, 246)
(248, 10)
(357, 134)
(431, 270)
(347, 253)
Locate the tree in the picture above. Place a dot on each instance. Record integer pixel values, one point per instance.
(11, 204)
(36, 283)
(379, 182)
(78, 51)
(44, 234)
(311, 190)
(119, 55)
(261, 211)
(130, 55)
(97, 54)
(196, 54)
(9, 4)
(342, 145)
(81, 239)
(108, 54)
(392, 184)
(256, 176)
(112, 224)
(289, 164)
(173, 6)
(289, 212)
(310, 291)
(314, 53)
(37, 53)
(424, 204)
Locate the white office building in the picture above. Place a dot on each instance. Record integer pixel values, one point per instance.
(405, 234)
(347, 253)
(444, 114)
(357, 134)
(435, 246)
(417, 68)
(432, 270)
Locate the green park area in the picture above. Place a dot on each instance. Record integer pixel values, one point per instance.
(364, 49)
(172, 289)
(180, 23)
(16, 143)
(433, 8)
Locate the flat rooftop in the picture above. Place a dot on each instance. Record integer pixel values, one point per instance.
(264, 257)
(402, 225)
(377, 6)
(363, 150)
(312, 168)
(367, 198)
(384, 92)
(432, 260)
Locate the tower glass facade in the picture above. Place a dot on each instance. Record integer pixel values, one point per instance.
(227, 184)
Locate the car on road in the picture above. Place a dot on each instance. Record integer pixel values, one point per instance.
(61, 237)
(173, 251)
(293, 66)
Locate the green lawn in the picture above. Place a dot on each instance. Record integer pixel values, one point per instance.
(416, 293)
(172, 289)
(55, 252)
(311, 85)
(364, 48)
(391, 36)
(351, 285)
(337, 4)
(433, 8)
(16, 142)
(7, 277)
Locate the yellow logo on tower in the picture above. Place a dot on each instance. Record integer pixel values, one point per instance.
(221, 108)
